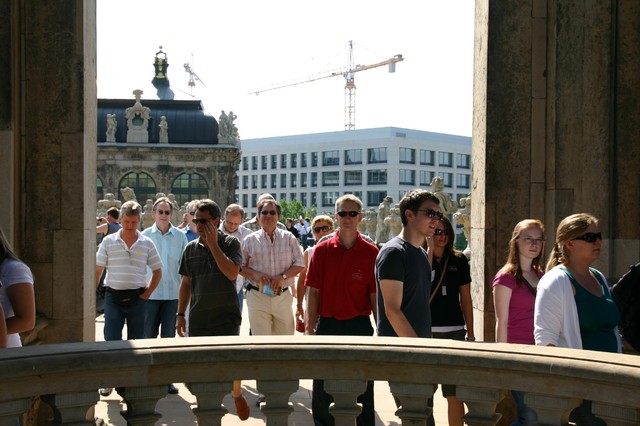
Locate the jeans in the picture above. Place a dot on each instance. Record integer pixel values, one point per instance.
(303, 239)
(115, 317)
(160, 315)
(241, 298)
(526, 416)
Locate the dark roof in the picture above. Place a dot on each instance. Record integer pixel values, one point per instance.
(188, 122)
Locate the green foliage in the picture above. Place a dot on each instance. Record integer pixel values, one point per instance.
(294, 209)
(461, 242)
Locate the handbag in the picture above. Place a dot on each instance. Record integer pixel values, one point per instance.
(125, 297)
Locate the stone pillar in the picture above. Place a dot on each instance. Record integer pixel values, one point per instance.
(555, 129)
(52, 139)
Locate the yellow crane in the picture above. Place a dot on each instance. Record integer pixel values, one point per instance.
(350, 87)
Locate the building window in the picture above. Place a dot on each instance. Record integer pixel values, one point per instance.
(273, 180)
(245, 200)
(283, 180)
(331, 158)
(376, 177)
(142, 184)
(274, 161)
(283, 196)
(303, 159)
(99, 189)
(254, 162)
(329, 198)
(263, 162)
(407, 177)
(245, 182)
(314, 159)
(263, 181)
(445, 159)
(303, 199)
(292, 180)
(294, 160)
(464, 181)
(314, 179)
(448, 179)
(292, 196)
(254, 199)
(245, 163)
(254, 182)
(283, 161)
(331, 178)
(408, 155)
(314, 199)
(426, 177)
(374, 198)
(303, 180)
(464, 161)
(377, 155)
(426, 157)
(356, 193)
(353, 156)
(353, 177)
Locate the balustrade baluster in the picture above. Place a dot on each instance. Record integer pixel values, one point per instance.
(414, 410)
(616, 415)
(551, 410)
(72, 408)
(277, 407)
(141, 404)
(209, 396)
(345, 407)
(482, 404)
(10, 411)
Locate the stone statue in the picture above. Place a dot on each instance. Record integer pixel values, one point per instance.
(447, 204)
(227, 130)
(147, 215)
(164, 130)
(112, 126)
(176, 218)
(362, 226)
(463, 217)
(372, 222)
(393, 221)
(382, 233)
(128, 194)
(138, 117)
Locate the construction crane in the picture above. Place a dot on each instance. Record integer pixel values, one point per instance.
(193, 77)
(350, 87)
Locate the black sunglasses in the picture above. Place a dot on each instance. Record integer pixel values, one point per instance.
(431, 213)
(590, 237)
(167, 212)
(202, 221)
(345, 213)
(266, 212)
(193, 213)
(320, 228)
(439, 232)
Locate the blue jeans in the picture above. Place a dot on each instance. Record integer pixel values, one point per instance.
(115, 317)
(160, 315)
(241, 298)
(525, 416)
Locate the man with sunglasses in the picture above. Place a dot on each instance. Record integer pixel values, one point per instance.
(187, 226)
(342, 293)
(254, 223)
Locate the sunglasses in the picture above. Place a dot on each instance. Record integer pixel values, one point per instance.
(266, 212)
(167, 212)
(202, 221)
(318, 229)
(431, 213)
(193, 213)
(350, 214)
(590, 237)
(440, 232)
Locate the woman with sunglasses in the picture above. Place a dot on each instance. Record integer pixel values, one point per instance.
(451, 307)
(574, 308)
(321, 226)
(514, 296)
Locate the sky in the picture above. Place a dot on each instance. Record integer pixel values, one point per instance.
(236, 47)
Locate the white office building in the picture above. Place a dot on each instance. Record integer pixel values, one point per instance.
(316, 169)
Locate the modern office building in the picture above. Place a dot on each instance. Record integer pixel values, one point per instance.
(316, 169)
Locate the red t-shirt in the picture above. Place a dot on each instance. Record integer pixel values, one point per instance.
(520, 324)
(345, 278)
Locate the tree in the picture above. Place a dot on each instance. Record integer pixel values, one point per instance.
(294, 209)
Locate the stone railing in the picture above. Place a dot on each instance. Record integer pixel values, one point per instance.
(67, 376)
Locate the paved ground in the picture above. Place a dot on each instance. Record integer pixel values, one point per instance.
(176, 409)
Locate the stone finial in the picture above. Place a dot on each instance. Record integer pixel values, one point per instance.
(147, 214)
(128, 194)
(393, 221)
(447, 204)
(138, 117)
(382, 232)
(372, 222)
(463, 217)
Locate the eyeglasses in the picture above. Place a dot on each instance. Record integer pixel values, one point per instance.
(266, 212)
(532, 241)
(345, 213)
(318, 229)
(202, 221)
(167, 212)
(193, 213)
(431, 213)
(590, 237)
(440, 232)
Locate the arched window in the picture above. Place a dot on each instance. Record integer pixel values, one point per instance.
(99, 189)
(142, 184)
(189, 186)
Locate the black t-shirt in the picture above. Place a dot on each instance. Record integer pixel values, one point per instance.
(400, 261)
(445, 307)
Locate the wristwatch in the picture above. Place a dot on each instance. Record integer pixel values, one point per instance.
(284, 276)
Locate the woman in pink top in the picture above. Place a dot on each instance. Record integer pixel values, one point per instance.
(514, 289)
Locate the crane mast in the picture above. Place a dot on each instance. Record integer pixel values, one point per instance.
(350, 87)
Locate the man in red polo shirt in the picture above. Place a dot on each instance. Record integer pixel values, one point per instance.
(342, 294)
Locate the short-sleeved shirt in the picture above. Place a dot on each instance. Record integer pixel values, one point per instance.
(521, 308)
(399, 260)
(445, 307)
(127, 267)
(344, 277)
(240, 234)
(215, 308)
(170, 246)
(12, 272)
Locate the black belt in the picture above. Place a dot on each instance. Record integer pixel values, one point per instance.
(140, 290)
(253, 287)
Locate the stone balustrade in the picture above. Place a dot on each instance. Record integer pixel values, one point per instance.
(68, 375)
